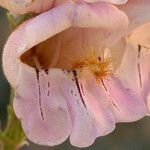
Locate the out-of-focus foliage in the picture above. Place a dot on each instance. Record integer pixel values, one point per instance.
(13, 136)
(16, 20)
(4, 86)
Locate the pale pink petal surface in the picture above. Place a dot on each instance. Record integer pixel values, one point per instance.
(141, 36)
(117, 52)
(128, 105)
(115, 98)
(87, 125)
(96, 99)
(41, 107)
(111, 1)
(136, 76)
(137, 11)
(128, 73)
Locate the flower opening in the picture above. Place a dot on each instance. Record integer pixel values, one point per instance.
(100, 67)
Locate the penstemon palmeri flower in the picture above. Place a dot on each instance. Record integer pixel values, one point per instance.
(64, 81)
(37, 6)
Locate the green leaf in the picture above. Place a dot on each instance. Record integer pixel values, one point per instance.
(13, 136)
(16, 20)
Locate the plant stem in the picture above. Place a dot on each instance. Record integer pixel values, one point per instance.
(9, 147)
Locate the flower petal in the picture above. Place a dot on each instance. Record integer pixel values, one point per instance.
(112, 97)
(128, 106)
(84, 129)
(128, 71)
(90, 118)
(141, 36)
(137, 11)
(97, 101)
(144, 57)
(71, 14)
(106, 17)
(117, 52)
(41, 106)
(135, 76)
(118, 2)
(134, 70)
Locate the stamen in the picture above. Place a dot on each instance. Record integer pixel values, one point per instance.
(36, 62)
(38, 68)
(99, 67)
(56, 55)
(35, 59)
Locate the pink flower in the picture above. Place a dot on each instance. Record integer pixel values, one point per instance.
(38, 6)
(64, 81)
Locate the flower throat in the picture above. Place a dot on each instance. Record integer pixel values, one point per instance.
(100, 67)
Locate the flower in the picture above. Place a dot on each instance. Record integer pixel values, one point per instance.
(64, 81)
(38, 6)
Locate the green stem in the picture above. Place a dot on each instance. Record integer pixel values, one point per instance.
(13, 136)
(4, 139)
(8, 146)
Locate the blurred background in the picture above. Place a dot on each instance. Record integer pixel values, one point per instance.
(132, 136)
